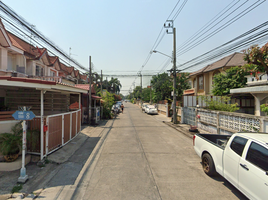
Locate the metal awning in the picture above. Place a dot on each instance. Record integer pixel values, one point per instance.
(39, 85)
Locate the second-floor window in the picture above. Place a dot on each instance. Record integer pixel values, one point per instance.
(39, 71)
(194, 83)
(201, 82)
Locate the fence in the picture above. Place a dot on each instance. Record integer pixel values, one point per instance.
(61, 128)
(219, 122)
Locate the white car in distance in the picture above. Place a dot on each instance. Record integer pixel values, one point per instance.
(150, 109)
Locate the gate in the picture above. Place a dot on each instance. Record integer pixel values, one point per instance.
(189, 116)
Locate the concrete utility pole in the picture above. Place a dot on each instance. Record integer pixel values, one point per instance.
(101, 83)
(168, 25)
(89, 95)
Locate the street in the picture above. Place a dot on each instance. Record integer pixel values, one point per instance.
(142, 158)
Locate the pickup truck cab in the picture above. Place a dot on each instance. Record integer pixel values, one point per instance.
(241, 158)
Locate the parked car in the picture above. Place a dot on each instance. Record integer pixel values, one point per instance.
(152, 110)
(115, 109)
(144, 105)
(148, 107)
(242, 159)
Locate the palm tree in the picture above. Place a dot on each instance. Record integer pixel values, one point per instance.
(115, 85)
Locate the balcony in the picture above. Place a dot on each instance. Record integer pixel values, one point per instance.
(260, 79)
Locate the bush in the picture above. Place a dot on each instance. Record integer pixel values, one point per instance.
(221, 105)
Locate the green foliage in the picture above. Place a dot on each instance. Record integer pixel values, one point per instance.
(11, 143)
(182, 83)
(220, 104)
(108, 102)
(264, 108)
(257, 56)
(16, 188)
(234, 78)
(146, 92)
(162, 86)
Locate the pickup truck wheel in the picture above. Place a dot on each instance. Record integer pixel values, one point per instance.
(208, 165)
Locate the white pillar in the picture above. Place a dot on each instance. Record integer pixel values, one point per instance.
(258, 98)
(3, 59)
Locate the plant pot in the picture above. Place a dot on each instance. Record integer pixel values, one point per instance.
(11, 158)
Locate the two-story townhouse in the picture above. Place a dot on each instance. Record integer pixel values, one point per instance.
(12, 58)
(201, 81)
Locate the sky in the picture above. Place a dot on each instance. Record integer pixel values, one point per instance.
(120, 34)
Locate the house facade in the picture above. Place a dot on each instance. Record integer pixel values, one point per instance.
(201, 81)
(31, 77)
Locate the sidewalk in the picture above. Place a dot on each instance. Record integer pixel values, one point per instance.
(39, 176)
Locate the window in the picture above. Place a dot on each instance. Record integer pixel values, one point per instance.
(52, 73)
(238, 145)
(258, 155)
(195, 83)
(39, 71)
(200, 82)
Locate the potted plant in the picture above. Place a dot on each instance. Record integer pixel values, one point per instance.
(11, 143)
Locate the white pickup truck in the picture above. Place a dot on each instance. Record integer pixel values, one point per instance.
(241, 158)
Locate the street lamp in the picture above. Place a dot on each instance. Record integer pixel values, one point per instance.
(154, 51)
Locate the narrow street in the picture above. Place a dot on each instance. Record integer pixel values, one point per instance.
(142, 158)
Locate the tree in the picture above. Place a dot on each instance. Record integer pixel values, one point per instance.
(182, 83)
(234, 78)
(257, 56)
(108, 102)
(146, 92)
(162, 86)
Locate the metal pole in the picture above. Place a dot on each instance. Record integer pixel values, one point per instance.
(23, 177)
(89, 95)
(174, 77)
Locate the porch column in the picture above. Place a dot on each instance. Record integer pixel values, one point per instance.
(258, 98)
(42, 125)
(3, 59)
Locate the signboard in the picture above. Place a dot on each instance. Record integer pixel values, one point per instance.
(23, 115)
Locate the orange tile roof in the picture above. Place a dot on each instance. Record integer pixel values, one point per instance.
(52, 59)
(86, 87)
(84, 77)
(26, 47)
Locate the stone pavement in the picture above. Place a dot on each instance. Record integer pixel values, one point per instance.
(40, 176)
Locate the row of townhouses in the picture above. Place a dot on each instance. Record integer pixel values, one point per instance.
(32, 79)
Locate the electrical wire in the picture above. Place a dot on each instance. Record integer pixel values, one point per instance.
(231, 21)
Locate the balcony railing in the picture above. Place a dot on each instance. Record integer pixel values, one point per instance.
(259, 79)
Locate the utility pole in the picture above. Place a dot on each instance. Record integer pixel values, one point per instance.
(168, 25)
(141, 87)
(89, 95)
(101, 83)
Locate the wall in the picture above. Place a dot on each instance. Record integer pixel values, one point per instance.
(3, 59)
(5, 126)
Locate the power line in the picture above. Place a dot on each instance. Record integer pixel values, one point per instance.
(24, 24)
(231, 21)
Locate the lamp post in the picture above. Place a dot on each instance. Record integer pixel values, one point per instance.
(169, 25)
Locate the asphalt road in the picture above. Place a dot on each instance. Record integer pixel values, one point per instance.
(142, 158)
